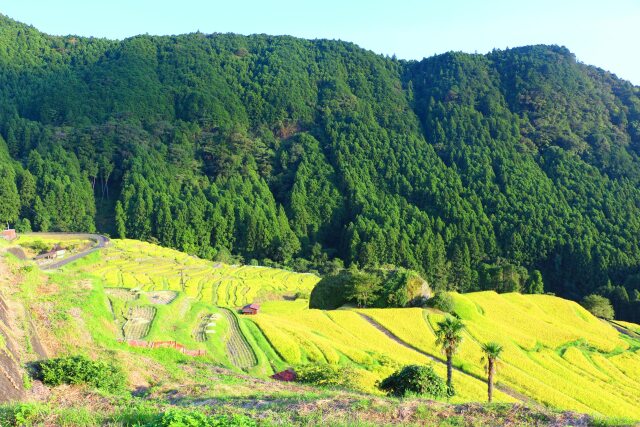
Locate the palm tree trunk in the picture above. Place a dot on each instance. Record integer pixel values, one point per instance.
(449, 369)
(490, 381)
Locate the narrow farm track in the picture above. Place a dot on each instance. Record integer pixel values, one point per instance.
(624, 330)
(100, 242)
(506, 390)
(238, 349)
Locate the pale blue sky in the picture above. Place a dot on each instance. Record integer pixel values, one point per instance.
(605, 33)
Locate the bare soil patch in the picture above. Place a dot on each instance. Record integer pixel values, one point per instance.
(18, 253)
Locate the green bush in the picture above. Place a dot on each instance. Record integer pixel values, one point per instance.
(599, 306)
(81, 370)
(38, 246)
(441, 301)
(302, 295)
(23, 414)
(372, 287)
(323, 374)
(415, 379)
(186, 418)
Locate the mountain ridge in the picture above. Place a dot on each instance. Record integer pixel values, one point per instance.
(478, 171)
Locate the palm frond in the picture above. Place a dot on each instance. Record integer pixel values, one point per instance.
(492, 352)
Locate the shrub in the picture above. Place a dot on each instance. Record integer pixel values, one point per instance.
(373, 287)
(38, 246)
(332, 267)
(441, 301)
(23, 414)
(27, 382)
(330, 292)
(323, 374)
(224, 255)
(81, 370)
(27, 268)
(599, 306)
(186, 418)
(23, 226)
(415, 379)
(302, 295)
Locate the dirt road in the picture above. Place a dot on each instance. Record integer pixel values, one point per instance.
(100, 242)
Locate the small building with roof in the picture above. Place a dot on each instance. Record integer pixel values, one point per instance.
(250, 309)
(8, 234)
(287, 375)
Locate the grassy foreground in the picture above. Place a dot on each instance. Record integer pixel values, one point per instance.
(234, 399)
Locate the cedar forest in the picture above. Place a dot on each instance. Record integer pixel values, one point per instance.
(517, 170)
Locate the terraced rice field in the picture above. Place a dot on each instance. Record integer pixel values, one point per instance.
(138, 322)
(239, 351)
(555, 352)
(344, 336)
(142, 266)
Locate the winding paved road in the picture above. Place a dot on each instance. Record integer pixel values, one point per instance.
(100, 242)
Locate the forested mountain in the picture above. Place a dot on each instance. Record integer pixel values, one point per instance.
(478, 171)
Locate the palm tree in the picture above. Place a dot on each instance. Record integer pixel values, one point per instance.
(492, 351)
(449, 337)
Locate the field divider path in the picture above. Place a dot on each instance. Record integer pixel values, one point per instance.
(238, 349)
(623, 329)
(506, 390)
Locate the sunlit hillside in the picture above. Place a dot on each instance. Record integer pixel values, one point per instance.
(556, 353)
